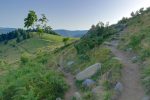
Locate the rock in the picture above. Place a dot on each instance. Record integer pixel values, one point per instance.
(58, 99)
(88, 72)
(88, 83)
(77, 96)
(107, 43)
(116, 58)
(134, 59)
(146, 98)
(119, 87)
(129, 49)
(98, 92)
(70, 63)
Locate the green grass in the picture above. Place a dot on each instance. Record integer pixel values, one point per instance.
(11, 52)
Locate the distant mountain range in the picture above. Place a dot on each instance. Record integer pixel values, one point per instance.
(6, 30)
(68, 33)
(65, 33)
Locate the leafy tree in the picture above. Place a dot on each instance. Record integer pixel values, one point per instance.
(48, 29)
(132, 14)
(30, 20)
(43, 20)
(141, 10)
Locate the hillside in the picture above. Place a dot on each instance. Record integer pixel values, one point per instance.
(68, 33)
(33, 45)
(109, 62)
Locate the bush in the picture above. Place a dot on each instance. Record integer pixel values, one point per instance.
(107, 96)
(32, 82)
(95, 36)
(25, 57)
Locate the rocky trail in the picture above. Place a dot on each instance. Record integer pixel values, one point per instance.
(132, 87)
(70, 80)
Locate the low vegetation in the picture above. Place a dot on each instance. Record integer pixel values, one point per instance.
(32, 81)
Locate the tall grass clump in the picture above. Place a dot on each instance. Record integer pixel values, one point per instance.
(32, 81)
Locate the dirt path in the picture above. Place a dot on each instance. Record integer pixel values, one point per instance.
(70, 81)
(133, 89)
(72, 89)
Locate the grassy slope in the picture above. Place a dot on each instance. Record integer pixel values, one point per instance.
(137, 38)
(10, 53)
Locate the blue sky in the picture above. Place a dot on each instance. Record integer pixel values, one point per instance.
(68, 14)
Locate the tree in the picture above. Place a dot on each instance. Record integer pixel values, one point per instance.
(48, 29)
(43, 20)
(30, 20)
(132, 14)
(65, 40)
(141, 10)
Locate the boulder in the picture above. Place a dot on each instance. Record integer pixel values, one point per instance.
(88, 83)
(88, 72)
(77, 96)
(119, 87)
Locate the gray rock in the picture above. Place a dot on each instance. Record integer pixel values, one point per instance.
(116, 58)
(88, 83)
(119, 87)
(146, 98)
(88, 72)
(107, 43)
(70, 63)
(129, 49)
(134, 59)
(58, 99)
(77, 96)
(98, 92)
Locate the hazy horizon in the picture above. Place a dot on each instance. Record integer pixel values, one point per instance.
(68, 14)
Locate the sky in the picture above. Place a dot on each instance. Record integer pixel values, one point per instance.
(68, 14)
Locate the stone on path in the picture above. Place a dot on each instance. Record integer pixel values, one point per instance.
(88, 72)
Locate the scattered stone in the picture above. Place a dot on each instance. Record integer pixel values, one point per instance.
(98, 91)
(88, 72)
(134, 59)
(107, 43)
(129, 49)
(88, 83)
(117, 58)
(77, 96)
(119, 87)
(70, 63)
(58, 99)
(146, 98)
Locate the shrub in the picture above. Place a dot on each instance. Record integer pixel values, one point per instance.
(32, 82)
(25, 57)
(107, 95)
